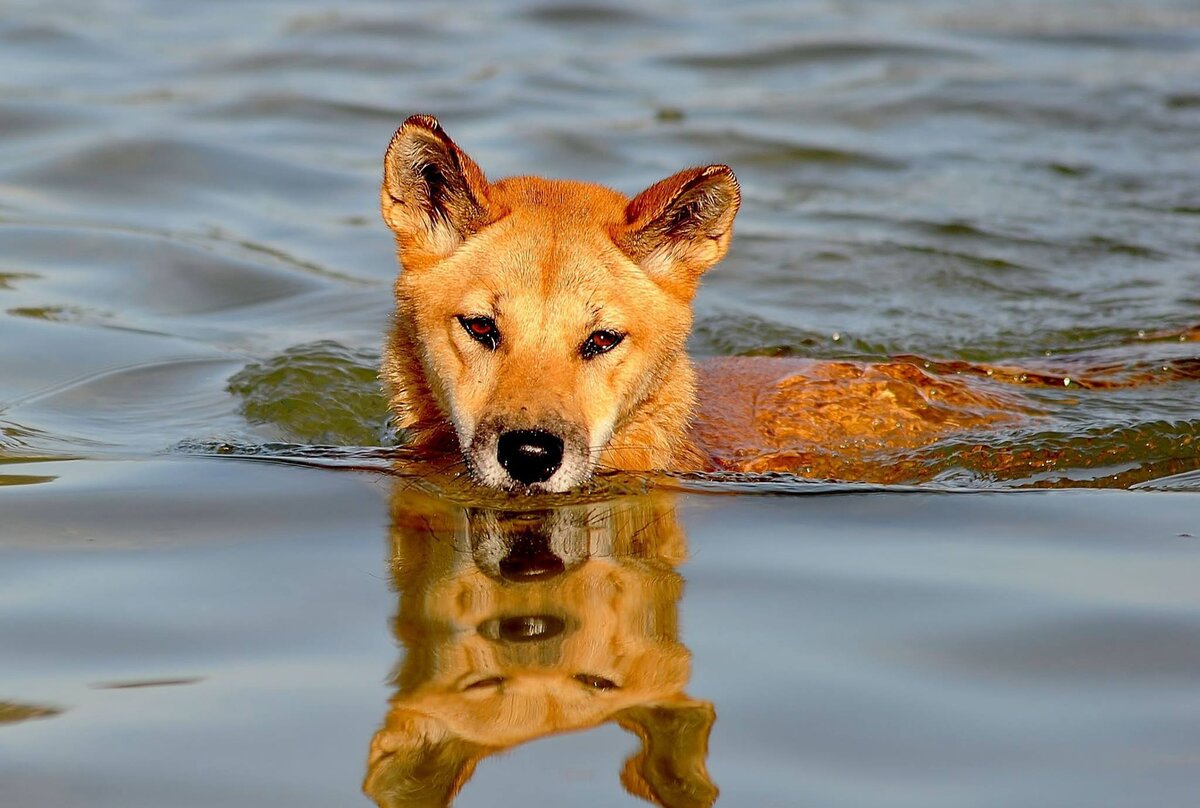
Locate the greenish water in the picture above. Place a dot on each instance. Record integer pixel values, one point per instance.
(213, 592)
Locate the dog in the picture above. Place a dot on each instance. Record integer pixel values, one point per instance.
(540, 336)
(521, 624)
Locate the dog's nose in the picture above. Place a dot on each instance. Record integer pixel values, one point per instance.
(530, 558)
(530, 455)
(520, 567)
(529, 628)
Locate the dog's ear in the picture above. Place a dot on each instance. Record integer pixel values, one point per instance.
(433, 195)
(415, 762)
(679, 227)
(671, 767)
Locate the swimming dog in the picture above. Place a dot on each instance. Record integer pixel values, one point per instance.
(541, 325)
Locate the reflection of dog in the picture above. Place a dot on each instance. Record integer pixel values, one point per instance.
(520, 625)
(541, 325)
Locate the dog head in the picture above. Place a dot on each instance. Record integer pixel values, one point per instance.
(539, 317)
(521, 625)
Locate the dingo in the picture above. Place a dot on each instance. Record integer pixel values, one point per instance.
(541, 324)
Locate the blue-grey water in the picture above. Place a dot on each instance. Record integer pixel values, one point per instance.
(212, 593)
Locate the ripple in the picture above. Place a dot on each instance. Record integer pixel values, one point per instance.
(25, 479)
(317, 393)
(752, 149)
(30, 120)
(12, 712)
(291, 61)
(134, 273)
(1147, 651)
(145, 171)
(820, 52)
(1185, 481)
(356, 24)
(143, 408)
(587, 15)
(1131, 38)
(301, 109)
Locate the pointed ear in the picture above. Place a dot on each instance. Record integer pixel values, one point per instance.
(671, 769)
(679, 227)
(433, 195)
(415, 763)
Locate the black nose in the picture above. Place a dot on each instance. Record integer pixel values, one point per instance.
(530, 558)
(530, 455)
(529, 628)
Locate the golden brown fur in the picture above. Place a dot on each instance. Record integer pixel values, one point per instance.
(551, 264)
(518, 625)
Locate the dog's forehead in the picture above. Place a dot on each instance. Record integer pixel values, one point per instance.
(552, 255)
(560, 200)
(548, 263)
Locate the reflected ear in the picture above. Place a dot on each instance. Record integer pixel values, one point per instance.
(415, 763)
(679, 227)
(433, 195)
(670, 769)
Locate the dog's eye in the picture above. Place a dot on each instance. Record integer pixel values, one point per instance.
(600, 342)
(491, 681)
(595, 682)
(481, 329)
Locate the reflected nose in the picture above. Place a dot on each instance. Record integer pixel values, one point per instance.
(530, 455)
(530, 559)
(529, 628)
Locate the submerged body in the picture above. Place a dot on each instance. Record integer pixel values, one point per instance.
(541, 327)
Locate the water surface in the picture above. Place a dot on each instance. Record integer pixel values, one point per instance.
(193, 287)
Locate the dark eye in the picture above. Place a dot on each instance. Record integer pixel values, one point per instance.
(491, 681)
(481, 329)
(595, 682)
(600, 342)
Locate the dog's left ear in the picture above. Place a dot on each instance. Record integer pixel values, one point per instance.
(434, 196)
(681, 226)
(416, 762)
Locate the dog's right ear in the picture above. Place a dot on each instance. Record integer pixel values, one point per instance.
(671, 767)
(433, 195)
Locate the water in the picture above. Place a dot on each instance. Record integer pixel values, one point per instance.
(212, 592)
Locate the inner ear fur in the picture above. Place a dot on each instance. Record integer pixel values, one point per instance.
(433, 195)
(681, 226)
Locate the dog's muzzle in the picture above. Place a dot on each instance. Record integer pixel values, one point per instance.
(529, 455)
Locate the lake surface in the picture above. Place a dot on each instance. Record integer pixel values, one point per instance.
(214, 592)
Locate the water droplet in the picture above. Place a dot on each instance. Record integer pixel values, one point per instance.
(1066, 381)
(1141, 333)
(836, 336)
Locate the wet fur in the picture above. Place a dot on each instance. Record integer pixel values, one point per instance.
(551, 260)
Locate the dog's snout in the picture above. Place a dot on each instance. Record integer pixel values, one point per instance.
(532, 567)
(530, 559)
(530, 455)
